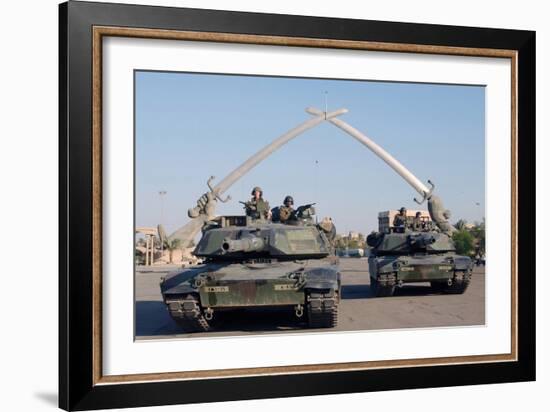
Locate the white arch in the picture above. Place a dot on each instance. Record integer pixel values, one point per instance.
(253, 160)
(380, 152)
(188, 232)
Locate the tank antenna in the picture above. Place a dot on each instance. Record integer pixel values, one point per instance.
(326, 104)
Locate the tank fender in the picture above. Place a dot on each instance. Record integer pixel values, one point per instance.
(322, 278)
(462, 263)
(181, 289)
(179, 277)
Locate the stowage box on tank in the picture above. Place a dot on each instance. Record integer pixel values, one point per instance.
(257, 263)
(401, 255)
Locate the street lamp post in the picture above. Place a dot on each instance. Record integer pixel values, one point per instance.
(162, 193)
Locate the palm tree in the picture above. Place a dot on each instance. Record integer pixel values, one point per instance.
(461, 224)
(172, 245)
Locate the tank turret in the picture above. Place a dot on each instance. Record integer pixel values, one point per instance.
(410, 242)
(238, 238)
(263, 240)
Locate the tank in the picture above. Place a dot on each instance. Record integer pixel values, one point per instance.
(400, 255)
(251, 263)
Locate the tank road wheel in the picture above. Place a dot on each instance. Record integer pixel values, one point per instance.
(187, 313)
(459, 283)
(322, 309)
(454, 286)
(383, 286)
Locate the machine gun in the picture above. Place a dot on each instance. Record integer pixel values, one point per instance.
(252, 210)
(247, 205)
(305, 211)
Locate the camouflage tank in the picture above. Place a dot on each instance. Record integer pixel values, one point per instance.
(401, 255)
(251, 263)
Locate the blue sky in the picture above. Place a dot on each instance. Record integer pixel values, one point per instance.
(190, 126)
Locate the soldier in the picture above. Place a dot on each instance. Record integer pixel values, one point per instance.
(286, 212)
(257, 207)
(400, 220)
(417, 224)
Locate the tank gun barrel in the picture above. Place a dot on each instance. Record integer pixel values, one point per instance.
(421, 240)
(246, 244)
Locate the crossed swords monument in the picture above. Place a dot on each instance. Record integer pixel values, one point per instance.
(206, 204)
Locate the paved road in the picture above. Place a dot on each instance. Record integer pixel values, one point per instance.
(411, 307)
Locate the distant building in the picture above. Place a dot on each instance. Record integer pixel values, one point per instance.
(351, 244)
(353, 235)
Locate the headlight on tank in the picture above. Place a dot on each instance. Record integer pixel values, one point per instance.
(400, 264)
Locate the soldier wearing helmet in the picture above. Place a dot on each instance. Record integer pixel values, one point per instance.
(417, 223)
(286, 212)
(257, 207)
(400, 220)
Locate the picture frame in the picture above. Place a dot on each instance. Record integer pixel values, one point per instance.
(83, 26)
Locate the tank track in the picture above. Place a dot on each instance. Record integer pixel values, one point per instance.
(188, 314)
(460, 283)
(383, 285)
(322, 309)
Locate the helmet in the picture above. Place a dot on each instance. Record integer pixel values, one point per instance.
(257, 189)
(402, 209)
(288, 199)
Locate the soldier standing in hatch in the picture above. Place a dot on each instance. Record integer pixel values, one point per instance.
(257, 207)
(417, 224)
(400, 220)
(286, 212)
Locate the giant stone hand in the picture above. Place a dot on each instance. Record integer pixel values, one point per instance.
(206, 205)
